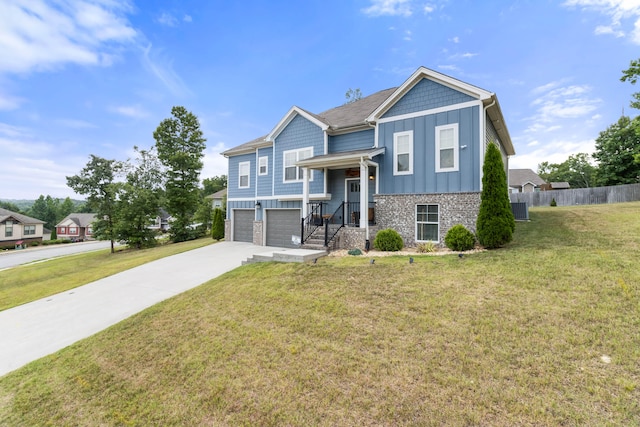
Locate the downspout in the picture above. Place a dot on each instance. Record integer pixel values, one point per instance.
(364, 198)
(483, 137)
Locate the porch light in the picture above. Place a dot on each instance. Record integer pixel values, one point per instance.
(371, 177)
(258, 205)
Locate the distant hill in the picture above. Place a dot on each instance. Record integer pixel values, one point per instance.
(24, 204)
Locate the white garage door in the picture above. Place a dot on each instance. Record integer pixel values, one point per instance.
(281, 225)
(243, 225)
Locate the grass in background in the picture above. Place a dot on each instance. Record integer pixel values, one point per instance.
(543, 332)
(29, 282)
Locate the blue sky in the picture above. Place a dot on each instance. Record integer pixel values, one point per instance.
(82, 77)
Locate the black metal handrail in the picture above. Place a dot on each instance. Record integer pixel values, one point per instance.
(331, 227)
(313, 220)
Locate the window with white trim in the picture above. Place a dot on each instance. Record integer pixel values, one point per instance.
(29, 230)
(263, 165)
(427, 223)
(403, 153)
(8, 229)
(447, 148)
(243, 174)
(293, 173)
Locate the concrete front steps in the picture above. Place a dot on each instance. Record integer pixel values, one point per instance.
(287, 255)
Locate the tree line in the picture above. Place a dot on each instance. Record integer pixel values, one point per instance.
(127, 196)
(616, 159)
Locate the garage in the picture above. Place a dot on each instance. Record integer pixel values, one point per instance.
(243, 225)
(281, 224)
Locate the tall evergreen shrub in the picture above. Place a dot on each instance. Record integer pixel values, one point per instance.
(496, 223)
(217, 229)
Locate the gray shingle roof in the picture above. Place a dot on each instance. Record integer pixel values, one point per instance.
(24, 219)
(80, 219)
(519, 177)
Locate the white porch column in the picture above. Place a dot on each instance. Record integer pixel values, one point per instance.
(364, 196)
(305, 192)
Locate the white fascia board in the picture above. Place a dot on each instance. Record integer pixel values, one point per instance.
(291, 114)
(283, 197)
(418, 75)
(432, 111)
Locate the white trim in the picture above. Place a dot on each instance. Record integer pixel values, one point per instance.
(437, 110)
(282, 197)
(416, 77)
(456, 147)
(266, 165)
(291, 114)
(415, 221)
(297, 151)
(397, 135)
(248, 174)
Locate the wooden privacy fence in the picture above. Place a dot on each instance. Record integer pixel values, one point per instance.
(580, 196)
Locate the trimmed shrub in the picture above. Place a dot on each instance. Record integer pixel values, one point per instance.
(354, 252)
(553, 202)
(496, 223)
(388, 240)
(458, 238)
(217, 229)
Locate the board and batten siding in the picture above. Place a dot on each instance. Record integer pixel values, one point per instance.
(427, 95)
(424, 178)
(352, 141)
(299, 133)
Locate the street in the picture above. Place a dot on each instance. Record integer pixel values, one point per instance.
(12, 258)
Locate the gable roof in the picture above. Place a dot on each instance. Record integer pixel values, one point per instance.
(519, 177)
(364, 112)
(218, 194)
(80, 219)
(6, 214)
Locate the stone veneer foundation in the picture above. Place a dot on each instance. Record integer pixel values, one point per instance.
(398, 211)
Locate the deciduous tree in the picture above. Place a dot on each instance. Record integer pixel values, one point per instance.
(617, 149)
(97, 181)
(180, 144)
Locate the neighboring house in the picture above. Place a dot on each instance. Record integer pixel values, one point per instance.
(524, 181)
(161, 222)
(408, 158)
(76, 227)
(217, 199)
(18, 229)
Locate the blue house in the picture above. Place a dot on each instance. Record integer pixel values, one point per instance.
(408, 158)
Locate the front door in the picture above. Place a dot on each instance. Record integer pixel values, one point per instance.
(353, 202)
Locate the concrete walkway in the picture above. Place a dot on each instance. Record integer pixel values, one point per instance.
(31, 331)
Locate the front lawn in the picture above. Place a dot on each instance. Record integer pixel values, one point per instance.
(542, 332)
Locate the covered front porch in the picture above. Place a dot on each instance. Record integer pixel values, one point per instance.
(351, 180)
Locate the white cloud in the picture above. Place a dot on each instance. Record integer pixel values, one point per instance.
(214, 164)
(619, 13)
(133, 111)
(428, 8)
(75, 124)
(9, 102)
(389, 8)
(455, 39)
(163, 70)
(167, 19)
(555, 151)
(407, 36)
(40, 35)
(187, 18)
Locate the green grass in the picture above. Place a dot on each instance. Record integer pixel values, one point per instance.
(514, 336)
(26, 283)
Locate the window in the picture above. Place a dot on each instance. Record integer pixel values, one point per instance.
(243, 179)
(29, 230)
(403, 153)
(427, 223)
(263, 165)
(447, 148)
(293, 173)
(89, 230)
(73, 230)
(8, 229)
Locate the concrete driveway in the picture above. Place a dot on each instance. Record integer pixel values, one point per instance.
(31, 331)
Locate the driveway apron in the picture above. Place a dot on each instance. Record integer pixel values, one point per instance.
(31, 331)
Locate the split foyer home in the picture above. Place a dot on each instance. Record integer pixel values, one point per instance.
(76, 227)
(17, 229)
(408, 158)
